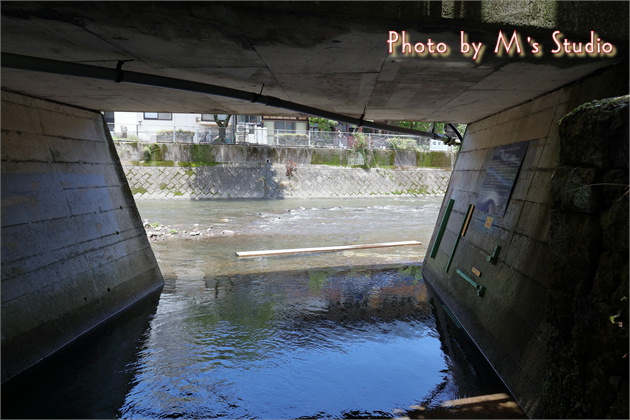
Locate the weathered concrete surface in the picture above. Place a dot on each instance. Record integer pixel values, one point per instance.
(74, 251)
(271, 182)
(190, 155)
(194, 171)
(340, 64)
(587, 353)
(513, 323)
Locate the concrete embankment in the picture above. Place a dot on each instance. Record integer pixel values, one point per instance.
(74, 251)
(209, 171)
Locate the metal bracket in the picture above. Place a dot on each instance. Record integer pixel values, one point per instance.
(462, 232)
(480, 289)
(120, 75)
(442, 228)
(492, 259)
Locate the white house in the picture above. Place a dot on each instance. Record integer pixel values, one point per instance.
(156, 126)
(200, 128)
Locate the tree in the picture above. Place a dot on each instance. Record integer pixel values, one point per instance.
(323, 124)
(415, 125)
(430, 127)
(222, 121)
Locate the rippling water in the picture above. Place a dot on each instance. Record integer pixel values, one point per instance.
(316, 343)
(327, 335)
(280, 224)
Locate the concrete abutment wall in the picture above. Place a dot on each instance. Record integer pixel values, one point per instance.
(510, 321)
(74, 251)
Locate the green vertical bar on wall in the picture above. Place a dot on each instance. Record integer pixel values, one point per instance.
(471, 207)
(438, 237)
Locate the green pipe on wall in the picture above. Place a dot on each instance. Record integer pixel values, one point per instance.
(480, 289)
(440, 234)
(462, 232)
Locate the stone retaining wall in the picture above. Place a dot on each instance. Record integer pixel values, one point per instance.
(587, 307)
(206, 171)
(185, 154)
(247, 180)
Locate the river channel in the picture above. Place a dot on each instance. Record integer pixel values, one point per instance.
(285, 224)
(350, 334)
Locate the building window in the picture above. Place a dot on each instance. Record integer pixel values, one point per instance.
(207, 117)
(109, 119)
(285, 125)
(254, 119)
(158, 116)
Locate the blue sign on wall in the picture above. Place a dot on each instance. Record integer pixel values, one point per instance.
(500, 177)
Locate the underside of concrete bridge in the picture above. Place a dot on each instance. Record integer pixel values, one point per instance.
(73, 247)
(328, 55)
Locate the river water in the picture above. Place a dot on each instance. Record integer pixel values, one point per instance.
(283, 224)
(327, 335)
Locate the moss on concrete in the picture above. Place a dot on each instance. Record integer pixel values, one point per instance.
(326, 157)
(576, 189)
(196, 164)
(380, 158)
(199, 155)
(138, 190)
(433, 160)
(592, 134)
(154, 163)
(411, 191)
(152, 152)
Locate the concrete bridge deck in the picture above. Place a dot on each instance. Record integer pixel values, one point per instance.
(329, 55)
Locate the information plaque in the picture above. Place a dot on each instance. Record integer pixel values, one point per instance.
(500, 177)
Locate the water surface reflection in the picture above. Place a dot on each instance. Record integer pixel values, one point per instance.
(304, 343)
(329, 335)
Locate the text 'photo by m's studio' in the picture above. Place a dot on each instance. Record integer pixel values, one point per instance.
(398, 42)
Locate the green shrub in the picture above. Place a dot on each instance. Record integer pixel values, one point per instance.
(360, 143)
(400, 143)
(152, 152)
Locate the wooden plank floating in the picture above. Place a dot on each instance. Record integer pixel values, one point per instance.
(324, 249)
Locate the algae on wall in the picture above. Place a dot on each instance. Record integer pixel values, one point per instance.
(152, 152)
(195, 155)
(433, 159)
(200, 154)
(331, 157)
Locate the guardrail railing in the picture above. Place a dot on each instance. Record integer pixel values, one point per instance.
(263, 135)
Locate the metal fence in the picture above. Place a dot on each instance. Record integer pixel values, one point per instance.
(178, 134)
(254, 134)
(350, 140)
